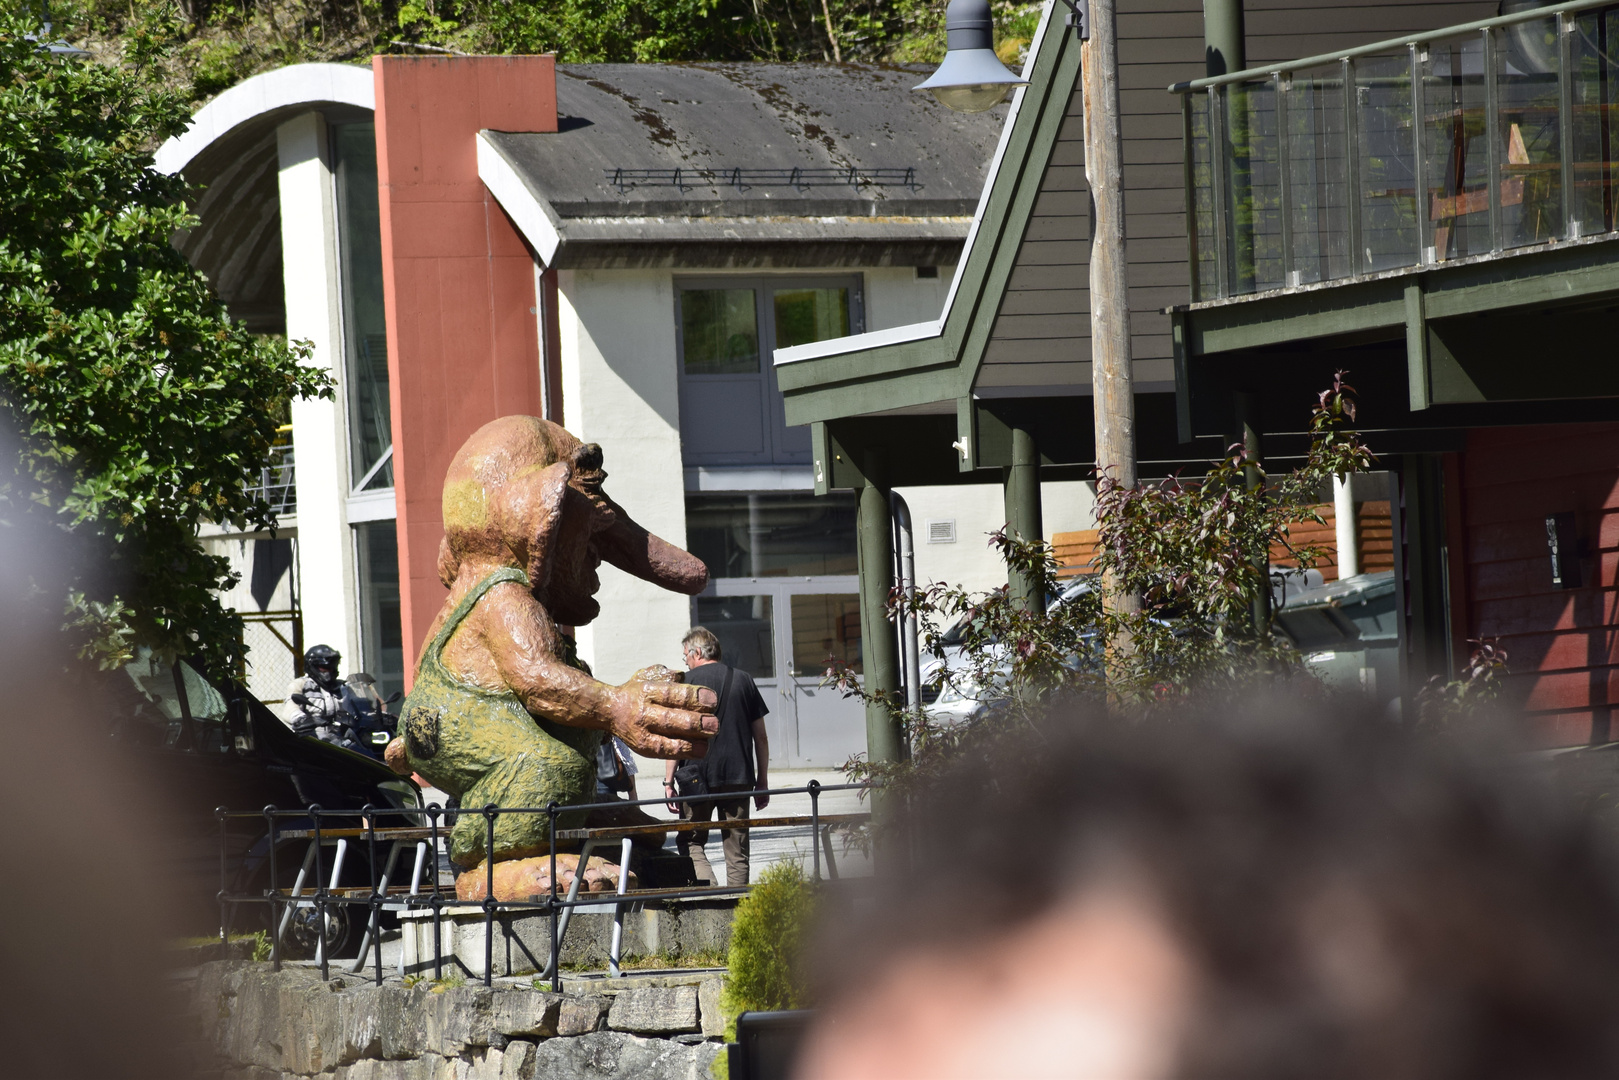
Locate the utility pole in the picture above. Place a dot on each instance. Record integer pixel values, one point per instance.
(1112, 381)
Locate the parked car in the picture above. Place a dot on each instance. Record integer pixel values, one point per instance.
(1348, 631)
(960, 696)
(1345, 629)
(206, 744)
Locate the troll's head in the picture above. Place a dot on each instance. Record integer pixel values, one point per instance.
(523, 492)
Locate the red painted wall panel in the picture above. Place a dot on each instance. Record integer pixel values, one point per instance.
(458, 282)
(1563, 645)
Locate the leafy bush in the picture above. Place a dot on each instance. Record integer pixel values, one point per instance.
(765, 938)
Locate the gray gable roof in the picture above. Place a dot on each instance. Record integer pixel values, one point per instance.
(785, 154)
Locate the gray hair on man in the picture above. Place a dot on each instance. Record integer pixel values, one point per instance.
(701, 640)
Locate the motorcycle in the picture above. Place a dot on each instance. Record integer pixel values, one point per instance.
(361, 723)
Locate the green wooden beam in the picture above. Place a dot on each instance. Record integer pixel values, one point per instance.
(1566, 274)
(1319, 313)
(1416, 346)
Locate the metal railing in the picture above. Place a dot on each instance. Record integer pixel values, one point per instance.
(276, 482)
(1473, 140)
(363, 825)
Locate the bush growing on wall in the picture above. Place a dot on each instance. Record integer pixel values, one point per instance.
(765, 938)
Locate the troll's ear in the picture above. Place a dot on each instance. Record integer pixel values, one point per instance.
(526, 511)
(448, 565)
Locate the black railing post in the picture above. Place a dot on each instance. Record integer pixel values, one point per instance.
(320, 896)
(489, 895)
(556, 944)
(815, 824)
(437, 902)
(275, 910)
(224, 931)
(374, 923)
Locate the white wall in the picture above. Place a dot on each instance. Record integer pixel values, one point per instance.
(978, 510)
(619, 389)
(270, 662)
(895, 296)
(309, 258)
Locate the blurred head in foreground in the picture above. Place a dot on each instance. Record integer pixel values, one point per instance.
(1295, 892)
(89, 989)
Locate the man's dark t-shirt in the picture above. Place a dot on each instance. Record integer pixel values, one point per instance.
(729, 762)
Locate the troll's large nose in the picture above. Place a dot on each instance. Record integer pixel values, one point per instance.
(635, 551)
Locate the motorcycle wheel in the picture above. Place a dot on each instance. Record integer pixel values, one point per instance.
(304, 930)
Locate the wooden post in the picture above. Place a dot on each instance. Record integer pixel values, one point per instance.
(1112, 381)
(1253, 481)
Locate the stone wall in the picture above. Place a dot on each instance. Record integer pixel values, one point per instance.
(258, 1024)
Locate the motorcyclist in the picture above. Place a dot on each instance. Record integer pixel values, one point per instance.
(321, 705)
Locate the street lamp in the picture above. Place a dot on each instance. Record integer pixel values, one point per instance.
(972, 78)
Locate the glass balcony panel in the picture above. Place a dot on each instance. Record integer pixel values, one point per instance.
(1319, 174)
(1200, 199)
(1388, 196)
(1527, 133)
(1595, 91)
(1457, 200)
(1256, 189)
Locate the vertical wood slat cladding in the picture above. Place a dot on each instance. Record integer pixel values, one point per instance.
(1562, 645)
(1373, 527)
(1161, 41)
(1076, 550)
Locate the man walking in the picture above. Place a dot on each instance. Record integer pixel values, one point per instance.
(737, 762)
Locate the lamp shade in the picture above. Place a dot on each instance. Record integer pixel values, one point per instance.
(972, 78)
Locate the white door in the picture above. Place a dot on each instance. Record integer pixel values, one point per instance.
(785, 632)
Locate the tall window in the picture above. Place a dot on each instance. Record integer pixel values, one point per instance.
(731, 410)
(382, 641)
(365, 336)
(740, 534)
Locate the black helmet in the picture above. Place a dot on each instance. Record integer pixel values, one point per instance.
(321, 663)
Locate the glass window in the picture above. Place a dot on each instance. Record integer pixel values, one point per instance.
(790, 535)
(826, 628)
(742, 623)
(719, 331)
(365, 333)
(1455, 149)
(1527, 134)
(806, 315)
(1388, 197)
(382, 641)
(1596, 95)
(731, 409)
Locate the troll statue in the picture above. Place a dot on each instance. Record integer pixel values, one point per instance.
(501, 710)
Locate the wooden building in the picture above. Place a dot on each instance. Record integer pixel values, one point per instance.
(1448, 237)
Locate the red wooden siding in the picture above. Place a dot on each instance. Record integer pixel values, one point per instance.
(1563, 646)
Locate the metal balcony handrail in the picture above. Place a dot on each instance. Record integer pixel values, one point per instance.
(1266, 71)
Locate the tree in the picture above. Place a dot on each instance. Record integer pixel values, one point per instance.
(137, 405)
(1195, 550)
(215, 43)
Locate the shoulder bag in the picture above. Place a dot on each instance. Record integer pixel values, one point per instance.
(691, 778)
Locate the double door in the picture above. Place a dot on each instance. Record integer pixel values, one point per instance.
(786, 633)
